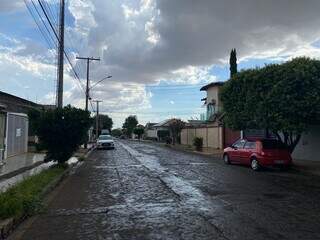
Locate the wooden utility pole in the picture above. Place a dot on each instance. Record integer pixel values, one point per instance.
(88, 74)
(97, 118)
(59, 102)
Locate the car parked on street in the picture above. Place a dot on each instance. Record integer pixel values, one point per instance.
(105, 142)
(258, 153)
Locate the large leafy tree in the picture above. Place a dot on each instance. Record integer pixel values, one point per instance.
(176, 126)
(61, 131)
(129, 125)
(116, 132)
(282, 98)
(139, 131)
(105, 122)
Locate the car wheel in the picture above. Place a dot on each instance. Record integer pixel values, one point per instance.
(255, 164)
(226, 159)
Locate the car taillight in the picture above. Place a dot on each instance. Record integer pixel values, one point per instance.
(263, 153)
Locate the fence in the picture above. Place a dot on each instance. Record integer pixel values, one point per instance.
(212, 136)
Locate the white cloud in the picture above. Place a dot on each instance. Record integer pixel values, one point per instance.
(147, 41)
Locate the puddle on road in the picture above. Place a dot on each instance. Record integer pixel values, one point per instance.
(189, 194)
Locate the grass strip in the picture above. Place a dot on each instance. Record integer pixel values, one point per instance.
(25, 198)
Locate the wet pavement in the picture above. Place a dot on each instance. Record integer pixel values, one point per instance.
(141, 191)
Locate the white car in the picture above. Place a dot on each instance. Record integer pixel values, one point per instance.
(105, 142)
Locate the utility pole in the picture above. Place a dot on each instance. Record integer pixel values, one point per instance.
(97, 118)
(88, 71)
(59, 102)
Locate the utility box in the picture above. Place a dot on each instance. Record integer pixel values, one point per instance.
(16, 140)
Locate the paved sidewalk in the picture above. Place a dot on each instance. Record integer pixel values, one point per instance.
(312, 167)
(20, 163)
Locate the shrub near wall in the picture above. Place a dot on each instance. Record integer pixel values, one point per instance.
(198, 143)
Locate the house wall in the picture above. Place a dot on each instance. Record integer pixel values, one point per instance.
(309, 145)
(213, 94)
(212, 136)
(2, 134)
(151, 133)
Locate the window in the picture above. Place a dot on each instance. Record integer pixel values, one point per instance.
(239, 144)
(250, 145)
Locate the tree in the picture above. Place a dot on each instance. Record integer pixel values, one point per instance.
(130, 123)
(116, 132)
(176, 126)
(139, 131)
(163, 134)
(105, 122)
(61, 131)
(233, 63)
(284, 99)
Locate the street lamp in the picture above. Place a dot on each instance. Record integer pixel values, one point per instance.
(100, 81)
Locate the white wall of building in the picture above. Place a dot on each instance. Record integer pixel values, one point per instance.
(309, 146)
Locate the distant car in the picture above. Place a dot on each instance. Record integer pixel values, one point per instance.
(105, 142)
(105, 132)
(258, 153)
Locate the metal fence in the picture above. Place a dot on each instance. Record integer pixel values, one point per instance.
(17, 134)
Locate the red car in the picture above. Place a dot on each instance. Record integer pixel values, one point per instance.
(258, 153)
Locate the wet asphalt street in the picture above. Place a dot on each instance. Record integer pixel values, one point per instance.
(141, 191)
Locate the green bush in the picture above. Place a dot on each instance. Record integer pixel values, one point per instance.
(138, 131)
(61, 131)
(25, 198)
(198, 143)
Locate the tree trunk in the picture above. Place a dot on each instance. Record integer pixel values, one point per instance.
(289, 140)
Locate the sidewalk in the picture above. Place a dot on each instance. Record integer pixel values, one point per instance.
(311, 167)
(17, 168)
(12, 165)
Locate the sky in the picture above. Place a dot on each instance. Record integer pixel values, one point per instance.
(159, 52)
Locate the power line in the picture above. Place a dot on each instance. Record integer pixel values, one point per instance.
(45, 36)
(55, 33)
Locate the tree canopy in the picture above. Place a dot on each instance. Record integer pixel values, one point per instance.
(139, 131)
(116, 132)
(233, 62)
(176, 126)
(105, 122)
(281, 98)
(61, 131)
(129, 125)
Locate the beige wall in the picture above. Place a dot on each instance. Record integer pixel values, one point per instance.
(151, 133)
(213, 94)
(212, 136)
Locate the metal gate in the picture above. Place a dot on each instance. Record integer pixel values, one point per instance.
(17, 134)
(230, 136)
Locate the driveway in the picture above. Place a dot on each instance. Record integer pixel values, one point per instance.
(141, 191)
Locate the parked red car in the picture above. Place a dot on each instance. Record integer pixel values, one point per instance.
(258, 153)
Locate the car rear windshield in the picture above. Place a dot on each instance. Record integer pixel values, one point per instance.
(273, 144)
